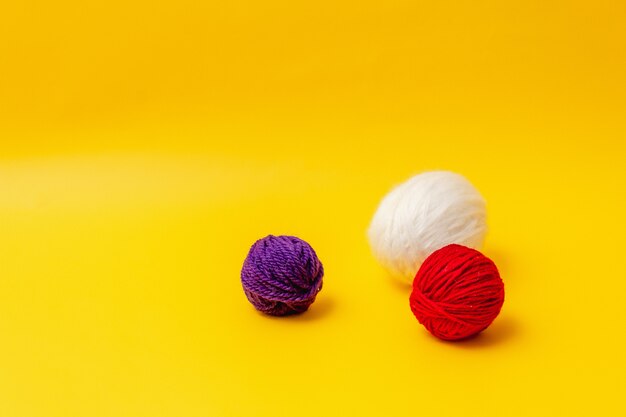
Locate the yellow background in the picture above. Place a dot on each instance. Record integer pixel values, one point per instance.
(144, 146)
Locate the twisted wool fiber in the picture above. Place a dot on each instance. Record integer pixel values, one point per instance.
(457, 293)
(281, 275)
(423, 214)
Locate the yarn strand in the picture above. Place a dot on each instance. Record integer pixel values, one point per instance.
(457, 292)
(281, 275)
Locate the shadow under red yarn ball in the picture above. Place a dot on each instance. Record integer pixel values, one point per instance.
(457, 293)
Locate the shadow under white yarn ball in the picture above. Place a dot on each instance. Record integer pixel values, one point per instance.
(423, 214)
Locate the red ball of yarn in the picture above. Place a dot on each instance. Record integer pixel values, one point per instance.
(457, 293)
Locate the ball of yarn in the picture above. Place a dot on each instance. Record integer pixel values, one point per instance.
(457, 293)
(425, 213)
(281, 275)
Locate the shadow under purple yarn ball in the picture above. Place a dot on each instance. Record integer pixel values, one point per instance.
(281, 275)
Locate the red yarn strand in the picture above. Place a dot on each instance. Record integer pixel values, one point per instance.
(457, 293)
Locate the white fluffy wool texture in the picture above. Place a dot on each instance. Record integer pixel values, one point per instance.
(423, 214)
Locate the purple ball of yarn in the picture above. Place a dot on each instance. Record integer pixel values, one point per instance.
(281, 275)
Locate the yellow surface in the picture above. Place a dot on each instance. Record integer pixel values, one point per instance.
(145, 146)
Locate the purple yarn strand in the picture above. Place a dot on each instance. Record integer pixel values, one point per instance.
(281, 275)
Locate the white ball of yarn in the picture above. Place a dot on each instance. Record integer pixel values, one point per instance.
(425, 213)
